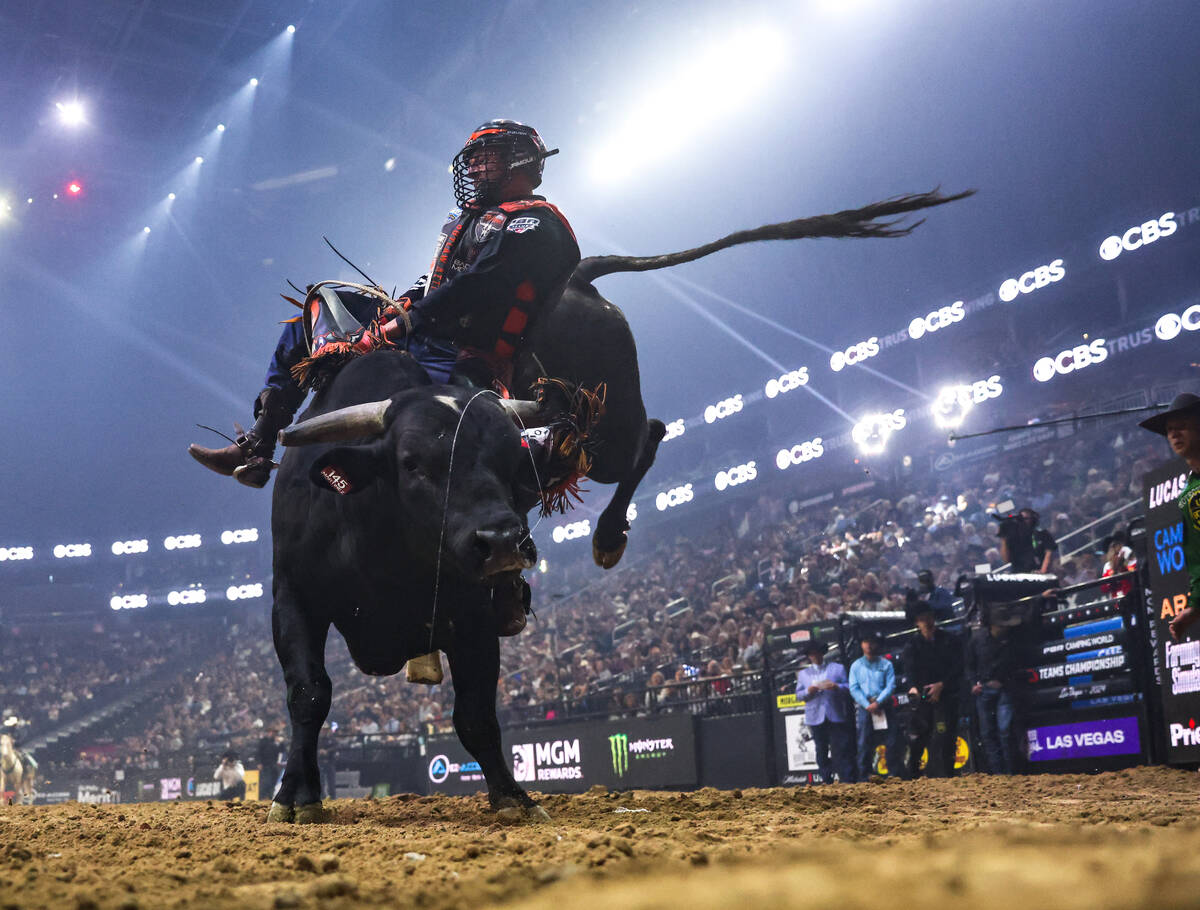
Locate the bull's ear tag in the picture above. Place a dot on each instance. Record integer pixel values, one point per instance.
(334, 477)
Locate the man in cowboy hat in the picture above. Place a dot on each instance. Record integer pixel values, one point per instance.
(1180, 424)
(823, 689)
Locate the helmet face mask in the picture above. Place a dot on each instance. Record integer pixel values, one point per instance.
(495, 151)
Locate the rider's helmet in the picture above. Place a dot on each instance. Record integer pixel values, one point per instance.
(494, 151)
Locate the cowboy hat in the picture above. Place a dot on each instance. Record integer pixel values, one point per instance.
(1185, 405)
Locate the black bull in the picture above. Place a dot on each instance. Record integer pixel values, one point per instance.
(415, 531)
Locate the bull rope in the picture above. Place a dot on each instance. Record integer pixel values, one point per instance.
(437, 578)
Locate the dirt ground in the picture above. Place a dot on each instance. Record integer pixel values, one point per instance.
(1124, 839)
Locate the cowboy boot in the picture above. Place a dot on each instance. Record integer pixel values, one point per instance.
(248, 459)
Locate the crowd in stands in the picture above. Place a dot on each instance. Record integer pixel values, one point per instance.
(685, 614)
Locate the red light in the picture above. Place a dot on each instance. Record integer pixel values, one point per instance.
(74, 188)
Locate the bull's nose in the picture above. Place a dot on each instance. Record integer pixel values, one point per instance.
(503, 549)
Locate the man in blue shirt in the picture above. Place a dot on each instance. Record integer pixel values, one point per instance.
(822, 688)
(872, 682)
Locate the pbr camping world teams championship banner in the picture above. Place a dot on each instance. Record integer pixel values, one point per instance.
(1176, 666)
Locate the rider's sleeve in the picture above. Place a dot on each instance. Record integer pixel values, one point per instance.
(521, 266)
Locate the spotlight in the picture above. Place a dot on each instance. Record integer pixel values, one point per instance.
(71, 113)
(253, 81)
(74, 188)
(220, 127)
(171, 196)
(29, 200)
(390, 164)
(199, 159)
(291, 29)
(146, 229)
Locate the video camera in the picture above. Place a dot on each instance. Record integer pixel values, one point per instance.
(1010, 518)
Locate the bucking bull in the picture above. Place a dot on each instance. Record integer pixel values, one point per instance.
(18, 772)
(400, 505)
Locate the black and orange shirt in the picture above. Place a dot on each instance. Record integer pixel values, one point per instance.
(493, 272)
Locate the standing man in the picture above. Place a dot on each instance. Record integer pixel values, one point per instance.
(232, 777)
(991, 669)
(1028, 547)
(933, 673)
(1181, 425)
(872, 682)
(823, 689)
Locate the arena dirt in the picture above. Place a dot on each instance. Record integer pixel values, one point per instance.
(1126, 839)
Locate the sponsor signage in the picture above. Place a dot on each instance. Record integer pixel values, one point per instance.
(129, 602)
(1088, 739)
(187, 596)
(1071, 361)
(15, 553)
(72, 550)
(872, 432)
(635, 753)
(953, 402)
(1032, 280)
(1138, 236)
(1176, 665)
(243, 535)
(244, 592)
(182, 542)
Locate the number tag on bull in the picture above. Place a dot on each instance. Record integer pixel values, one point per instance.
(335, 479)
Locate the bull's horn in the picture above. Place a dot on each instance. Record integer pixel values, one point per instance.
(359, 421)
(528, 413)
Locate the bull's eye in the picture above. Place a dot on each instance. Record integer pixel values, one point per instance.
(410, 464)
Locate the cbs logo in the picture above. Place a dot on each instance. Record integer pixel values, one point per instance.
(129, 602)
(190, 596)
(856, 353)
(243, 592)
(723, 409)
(1031, 281)
(675, 429)
(1076, 358)
(182, 542)
(938, 319)
(678, 496)
(125, 547)
(1139, 235)
(572, 531)
(743, 473)
(787, 382)
(1170, 325)
(800, 453)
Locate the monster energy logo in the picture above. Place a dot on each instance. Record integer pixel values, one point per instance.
(618, 747)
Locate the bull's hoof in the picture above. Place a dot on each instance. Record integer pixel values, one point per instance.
(606, 559)
(281, 813)
(514, 815)
(311, 814)
(426, 669)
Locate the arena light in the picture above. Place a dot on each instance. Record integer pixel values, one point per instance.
(242, 535)
(390, 164)
(71, 113)
(170, 197)
(74, 188)
(199, 159)
(15, 554)
(871, 434)
(130, 547)
(72, 550)
(951, 406)
(146, 229)
(254, 82)
(671, 111)
(631, 513)
(291, 29)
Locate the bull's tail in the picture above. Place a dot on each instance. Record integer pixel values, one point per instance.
(864, 222)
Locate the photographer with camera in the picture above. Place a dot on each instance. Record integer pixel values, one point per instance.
(1026, 546)
(932, 664)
